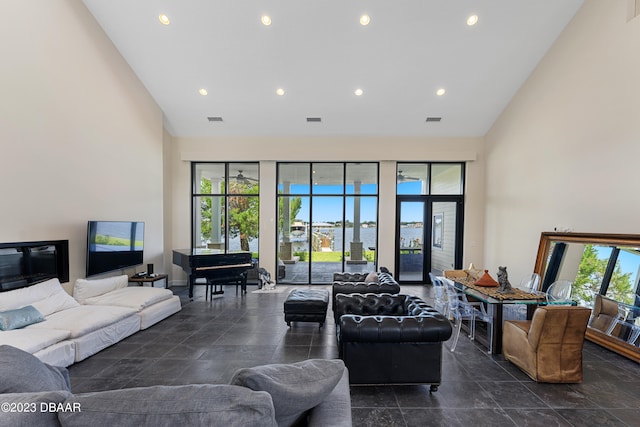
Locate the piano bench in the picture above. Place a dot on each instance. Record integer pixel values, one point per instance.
(306, 305)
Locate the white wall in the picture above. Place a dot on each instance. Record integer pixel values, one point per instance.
(270, 150)
(565, 151)
(80, 137)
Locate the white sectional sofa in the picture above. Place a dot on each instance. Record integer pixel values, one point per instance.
(151, 304)
(70, 329)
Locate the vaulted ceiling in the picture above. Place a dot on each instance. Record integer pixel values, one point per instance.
(320, 54)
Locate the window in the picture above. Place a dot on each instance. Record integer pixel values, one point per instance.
(606, 269)
(327, 219)
(226, 206)
(610, 270)
(430, 178)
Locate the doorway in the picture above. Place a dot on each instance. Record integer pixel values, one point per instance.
(429, 226)
(429, 238)
(327, 220)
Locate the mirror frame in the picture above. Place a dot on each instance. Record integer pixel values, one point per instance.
(594, 335)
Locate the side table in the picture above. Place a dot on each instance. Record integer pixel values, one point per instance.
(150, 279)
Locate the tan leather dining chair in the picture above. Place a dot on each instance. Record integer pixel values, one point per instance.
(605, 312)
(548, 347)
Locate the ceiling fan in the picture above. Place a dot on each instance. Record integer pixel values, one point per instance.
(243, 179)
(403, 178)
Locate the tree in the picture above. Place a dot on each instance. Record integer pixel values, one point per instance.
(590, 274)
(244, 213)
(205, 210)
(295, 203)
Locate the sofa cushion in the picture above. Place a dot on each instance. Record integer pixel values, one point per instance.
(335, 409)
(47, 297)
(84, 319)
(371, 304)
(295, 388)
(22, 372)
(189, 405)
(19, 318)
(349, 277)
(33, 340)
(41, 408)
(136, 297)
(84, 289)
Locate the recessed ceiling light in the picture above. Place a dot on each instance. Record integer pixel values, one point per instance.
(441, 92)
(280, 91)
(358, 92)
(472, 20)
(203, 92)
(164, 19)
(365, 19)
(266, 20)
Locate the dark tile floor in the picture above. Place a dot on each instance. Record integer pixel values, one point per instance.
(208, 340)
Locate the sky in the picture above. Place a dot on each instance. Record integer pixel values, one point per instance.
(629, 262)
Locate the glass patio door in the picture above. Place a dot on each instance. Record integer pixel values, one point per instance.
(410, 254)
(327, 220)
(428, 241)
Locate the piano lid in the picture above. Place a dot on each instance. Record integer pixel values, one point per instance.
(206, 251)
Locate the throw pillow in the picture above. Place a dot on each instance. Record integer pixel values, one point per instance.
(85, 289)
(295, 388)
(371, 277)
(22, 372)
(19, 318)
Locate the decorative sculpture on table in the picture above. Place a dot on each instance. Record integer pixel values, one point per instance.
(486, 280)
(473, 272)
(503, 280)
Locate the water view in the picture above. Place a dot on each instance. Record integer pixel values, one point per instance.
(367, 236)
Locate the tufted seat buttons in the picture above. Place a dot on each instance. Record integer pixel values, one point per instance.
(386, 284)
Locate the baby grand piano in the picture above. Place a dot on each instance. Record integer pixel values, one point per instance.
(216, 267)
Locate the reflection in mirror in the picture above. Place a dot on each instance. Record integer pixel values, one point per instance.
(604, 269)
(595, 269)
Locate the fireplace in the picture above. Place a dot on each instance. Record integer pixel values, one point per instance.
(25, 263)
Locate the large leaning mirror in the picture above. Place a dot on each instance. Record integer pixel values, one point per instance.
(605, 271)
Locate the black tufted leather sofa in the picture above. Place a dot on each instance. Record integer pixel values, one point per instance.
(385, 284)
(349, 277)
(390, 339)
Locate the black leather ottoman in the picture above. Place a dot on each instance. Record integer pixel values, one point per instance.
(306, 305)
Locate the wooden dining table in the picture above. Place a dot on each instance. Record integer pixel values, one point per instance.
(495, 302)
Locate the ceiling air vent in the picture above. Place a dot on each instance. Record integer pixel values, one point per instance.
(214, 119)
(434, 119)
(314, 119)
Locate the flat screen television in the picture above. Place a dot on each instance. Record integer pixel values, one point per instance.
(114, 245)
